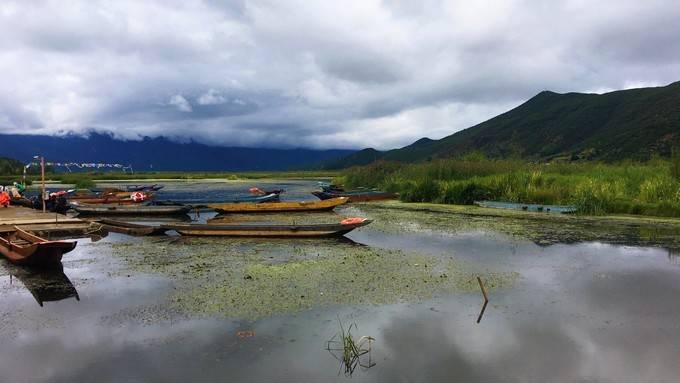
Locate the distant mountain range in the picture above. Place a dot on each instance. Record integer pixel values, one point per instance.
(162, 153)
(634, 123)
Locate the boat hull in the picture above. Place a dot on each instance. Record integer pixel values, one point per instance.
(270, 231)
(357, 197)
(328, 204)
(109, 209)
(131, 228)
(536, 208)
(255, 199)
(23, 248)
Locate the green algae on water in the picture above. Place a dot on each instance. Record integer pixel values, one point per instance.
(255, 278)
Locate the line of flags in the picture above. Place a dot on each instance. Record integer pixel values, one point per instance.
(80, 165)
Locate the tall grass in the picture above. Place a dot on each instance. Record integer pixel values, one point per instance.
(650, 188)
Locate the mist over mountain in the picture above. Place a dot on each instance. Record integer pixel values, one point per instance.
(161, 153)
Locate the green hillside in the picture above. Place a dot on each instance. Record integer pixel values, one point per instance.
(627, 124)
(9, 166)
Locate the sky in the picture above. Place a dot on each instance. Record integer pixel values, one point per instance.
(317, 74)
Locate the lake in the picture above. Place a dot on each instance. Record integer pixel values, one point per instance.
(568, 301)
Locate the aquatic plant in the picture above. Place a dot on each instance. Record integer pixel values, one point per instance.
(350, 350)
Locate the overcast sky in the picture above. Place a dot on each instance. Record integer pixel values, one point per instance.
(343, 74)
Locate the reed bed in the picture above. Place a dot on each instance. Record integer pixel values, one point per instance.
(649, 188)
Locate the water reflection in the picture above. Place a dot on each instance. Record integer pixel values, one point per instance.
(481, 312)
(44, 285)
(594, 303)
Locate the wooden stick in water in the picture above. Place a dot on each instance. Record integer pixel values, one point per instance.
(481, 286)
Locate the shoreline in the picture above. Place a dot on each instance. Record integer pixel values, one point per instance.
(472, 210)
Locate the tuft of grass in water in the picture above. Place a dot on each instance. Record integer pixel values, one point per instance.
(349, 351)
(651, 188)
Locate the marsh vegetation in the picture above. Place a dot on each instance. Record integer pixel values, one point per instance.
(649, 188)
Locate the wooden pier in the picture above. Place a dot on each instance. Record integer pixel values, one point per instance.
(48, 225)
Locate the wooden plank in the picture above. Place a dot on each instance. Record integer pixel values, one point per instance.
(33, 221)
(18, 215)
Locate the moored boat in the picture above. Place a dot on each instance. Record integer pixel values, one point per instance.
(271, 230)
(122, 209)
(562, 209)
(23, 248)
(254, 199)
(134, 188)
(357, 196)
(285, 206)
(109, 197)
(131, 228)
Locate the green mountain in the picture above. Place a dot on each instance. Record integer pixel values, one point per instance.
(634, 123)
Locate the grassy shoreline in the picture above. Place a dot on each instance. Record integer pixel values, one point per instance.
(472, 210)
(650, 188)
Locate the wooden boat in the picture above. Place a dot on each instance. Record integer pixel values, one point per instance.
(331, 188)
(285, 206)
(357, 196)
(24, 248)
(120, 209)
(104, 200)
(145, 188)
(254, 198)
(270, 230)
(562, 209)
(131, 228)
(109, 196)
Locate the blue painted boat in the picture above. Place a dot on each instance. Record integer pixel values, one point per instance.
(538, 208)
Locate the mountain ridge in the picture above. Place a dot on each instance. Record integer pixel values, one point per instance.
(161, 153)
(622, 124)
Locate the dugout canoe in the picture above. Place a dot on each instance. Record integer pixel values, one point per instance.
(539, 208)
(23, 248)
(356, 196)
(276, 207)
(118, 209)
(269, 230)
(131, 228)
(254, 199)
(145, 188)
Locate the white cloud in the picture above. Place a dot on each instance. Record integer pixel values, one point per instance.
(211, 97)
(180, 103)
(324, 74)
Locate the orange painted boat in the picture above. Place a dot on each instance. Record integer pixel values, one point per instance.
(23, 248)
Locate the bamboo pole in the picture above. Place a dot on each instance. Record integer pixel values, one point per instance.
(42, 176)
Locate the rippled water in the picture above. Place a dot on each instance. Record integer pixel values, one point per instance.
(591, 303)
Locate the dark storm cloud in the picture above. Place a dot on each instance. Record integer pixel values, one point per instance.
(320, 74)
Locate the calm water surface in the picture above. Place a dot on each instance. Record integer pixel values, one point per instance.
(591, 304)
